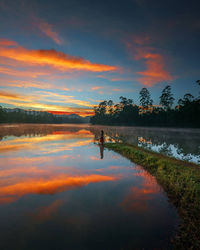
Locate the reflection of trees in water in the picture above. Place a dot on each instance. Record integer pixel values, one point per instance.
(171, 150)
(184, 141)
(165, 149)
(32, 130)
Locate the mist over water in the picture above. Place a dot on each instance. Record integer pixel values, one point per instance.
(183, 144)
(60, 190)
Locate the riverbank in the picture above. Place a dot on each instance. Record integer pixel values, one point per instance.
(180, 180)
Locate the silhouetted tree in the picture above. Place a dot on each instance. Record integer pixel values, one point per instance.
(110, 107)
(117, 111)
(128, 113)
(167, 99)
(186, 99)
(100, 113)
(1, 115)
(145, 98)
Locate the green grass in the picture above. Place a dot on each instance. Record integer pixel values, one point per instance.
(180, 180)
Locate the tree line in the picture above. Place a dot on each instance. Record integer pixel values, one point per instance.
(185, 114)
(44, 117)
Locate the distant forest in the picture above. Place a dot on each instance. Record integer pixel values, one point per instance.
(185, 114)
(44, 117)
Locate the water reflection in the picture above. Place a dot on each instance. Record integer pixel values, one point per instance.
(101, 150)
(172, 150)
(59, 190)
(138, 197)
(14, 189)
(183, 144)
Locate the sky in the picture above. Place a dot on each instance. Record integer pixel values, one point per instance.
(67, 56)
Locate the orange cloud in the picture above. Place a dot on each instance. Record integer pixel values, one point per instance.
(52, 58)
(97, 87)
(10, 95)
(155, 64)
(47, 29)
(7, 148)
(155, 71)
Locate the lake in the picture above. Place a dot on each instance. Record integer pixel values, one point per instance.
(60, 190)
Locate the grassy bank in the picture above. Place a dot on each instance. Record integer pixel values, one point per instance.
(180, 180)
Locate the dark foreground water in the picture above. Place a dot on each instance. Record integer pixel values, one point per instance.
(60, 190)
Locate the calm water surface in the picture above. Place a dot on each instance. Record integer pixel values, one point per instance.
(183, 144)
(60, 190)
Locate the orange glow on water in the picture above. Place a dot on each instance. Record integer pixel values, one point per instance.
(39, 175)
(136, 199)
(83, 137)
(50, 185)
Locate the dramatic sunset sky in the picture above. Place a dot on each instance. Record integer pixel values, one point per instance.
(67, 55)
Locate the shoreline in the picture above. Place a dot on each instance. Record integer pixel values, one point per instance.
(181, 182)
